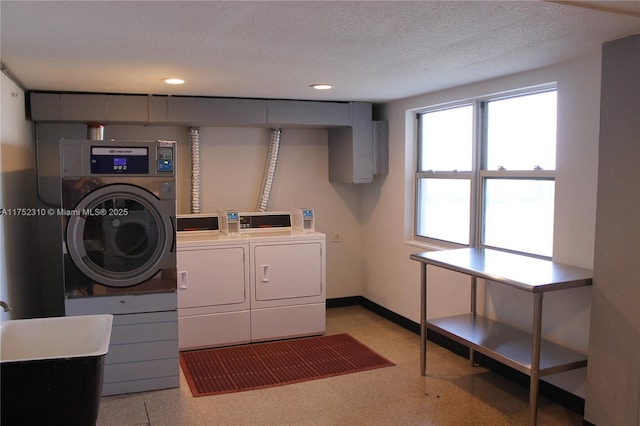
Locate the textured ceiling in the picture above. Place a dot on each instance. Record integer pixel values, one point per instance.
(373, 51)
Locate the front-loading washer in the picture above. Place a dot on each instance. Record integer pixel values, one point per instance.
(119, 254)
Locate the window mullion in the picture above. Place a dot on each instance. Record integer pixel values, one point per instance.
(476, 183)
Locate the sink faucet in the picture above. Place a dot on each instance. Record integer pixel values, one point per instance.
(5, 306)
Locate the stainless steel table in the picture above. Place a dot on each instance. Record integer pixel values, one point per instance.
(525, 352)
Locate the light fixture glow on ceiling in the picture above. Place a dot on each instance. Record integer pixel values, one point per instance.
(322, 86)
(173, 80)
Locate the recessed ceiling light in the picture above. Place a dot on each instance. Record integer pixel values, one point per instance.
(322, 86)
(173, 80)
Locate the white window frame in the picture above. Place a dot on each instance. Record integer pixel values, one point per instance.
(479, 174)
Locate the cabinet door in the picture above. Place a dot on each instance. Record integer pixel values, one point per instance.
(211, 277)
(284, 271)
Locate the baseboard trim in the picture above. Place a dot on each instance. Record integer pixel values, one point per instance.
(554, 393)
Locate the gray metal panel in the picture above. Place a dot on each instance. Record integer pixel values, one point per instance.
(50, 226)
(129, 329)
(135, 371)
(71, 163)
(217, 111)
(128, 108)
(83, 107)
(341, 154)
(130, 386)
(285, 112)
(159, 109)
(153, 302)
(363, 132)
(45, 106)
(351, 148)
(141, 352)
(327, 113)
(380, 147)
(308, 113)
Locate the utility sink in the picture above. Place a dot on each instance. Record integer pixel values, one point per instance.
(51, 369)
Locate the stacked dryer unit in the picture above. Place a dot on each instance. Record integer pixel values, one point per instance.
(257, 278)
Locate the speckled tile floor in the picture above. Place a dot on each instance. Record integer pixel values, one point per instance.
(452, 393)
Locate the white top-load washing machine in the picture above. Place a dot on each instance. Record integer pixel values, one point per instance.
(277, 267)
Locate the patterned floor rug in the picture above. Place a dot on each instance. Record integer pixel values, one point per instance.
(263, 365)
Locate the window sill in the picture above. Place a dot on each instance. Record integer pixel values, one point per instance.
(430, 246)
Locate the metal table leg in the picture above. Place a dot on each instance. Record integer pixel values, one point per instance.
(423, 319)
(474, 288)
(535, 360)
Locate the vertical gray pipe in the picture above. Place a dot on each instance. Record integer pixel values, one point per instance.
(269, 170)
(194, 142)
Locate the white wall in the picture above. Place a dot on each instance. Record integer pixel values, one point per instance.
(233, 161)
(17, 190)
(392, 279)
(232, 165)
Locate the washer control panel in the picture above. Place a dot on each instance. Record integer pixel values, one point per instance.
(119, 160)
(116, 158)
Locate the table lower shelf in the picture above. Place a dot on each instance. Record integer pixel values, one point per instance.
(506, 344)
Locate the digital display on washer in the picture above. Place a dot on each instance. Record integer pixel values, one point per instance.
(119, 160)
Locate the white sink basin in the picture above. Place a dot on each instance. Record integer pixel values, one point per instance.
(55, 337)
(52, 369)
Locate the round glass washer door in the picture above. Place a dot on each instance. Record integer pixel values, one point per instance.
(119, 235)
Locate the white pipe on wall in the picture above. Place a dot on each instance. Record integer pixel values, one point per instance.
(194, 142)
(269, 170)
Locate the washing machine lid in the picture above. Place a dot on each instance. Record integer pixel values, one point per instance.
(121, 235)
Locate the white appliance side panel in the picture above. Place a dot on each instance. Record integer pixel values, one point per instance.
(288, 321)
(212, 277)
(287, 271)
(221, 329)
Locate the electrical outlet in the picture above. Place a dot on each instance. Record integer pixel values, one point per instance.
(336, 236)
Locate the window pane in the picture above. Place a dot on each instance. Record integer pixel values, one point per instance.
(444, 209)
(521, 132)
(446, 139)
(518, 215)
